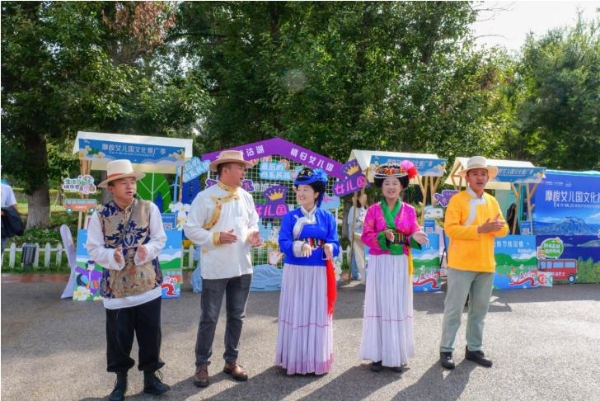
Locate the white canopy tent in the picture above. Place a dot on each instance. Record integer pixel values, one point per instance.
(460, 163)
(148, 154)
(430, 170)
(430, 167)
(141, 163)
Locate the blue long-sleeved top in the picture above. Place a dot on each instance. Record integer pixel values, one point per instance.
(298, 226)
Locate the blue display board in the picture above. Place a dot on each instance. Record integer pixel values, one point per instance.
(426, 266)
(570, 258)
(567, 203)
(516, 262)
(137, 153)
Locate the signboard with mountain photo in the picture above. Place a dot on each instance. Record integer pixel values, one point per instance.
(567, 203)
(566, 222)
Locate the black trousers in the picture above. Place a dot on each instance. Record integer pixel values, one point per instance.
(121, 324)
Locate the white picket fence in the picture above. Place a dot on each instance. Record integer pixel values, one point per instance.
(191, 260)
(43, 256)
(45, 251)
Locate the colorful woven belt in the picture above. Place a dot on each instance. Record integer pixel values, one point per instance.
(314, 242)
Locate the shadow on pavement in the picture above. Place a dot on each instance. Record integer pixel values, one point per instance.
(438, 383)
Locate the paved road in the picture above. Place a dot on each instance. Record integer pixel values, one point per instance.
(545, 344)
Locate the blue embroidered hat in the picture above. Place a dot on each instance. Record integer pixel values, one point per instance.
(316, 178)
(307, 176)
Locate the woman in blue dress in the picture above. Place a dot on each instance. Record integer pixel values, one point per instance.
(308, 238)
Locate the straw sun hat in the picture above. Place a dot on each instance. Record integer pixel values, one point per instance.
(479, 162)
(229, 156)
(117, 169)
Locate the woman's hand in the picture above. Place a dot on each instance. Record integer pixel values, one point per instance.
(420, 237)
(389, 235)
(328, 250)
(306, 250)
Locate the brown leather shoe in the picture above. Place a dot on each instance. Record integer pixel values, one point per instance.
(235, 370)
(201, 376)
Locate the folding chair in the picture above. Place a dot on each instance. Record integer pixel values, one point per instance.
(70, 250)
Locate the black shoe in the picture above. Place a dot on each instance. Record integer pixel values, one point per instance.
(478, 357)
(153, 384)
(446, 360)
(118, 393)
(376, 366)
(399, 369)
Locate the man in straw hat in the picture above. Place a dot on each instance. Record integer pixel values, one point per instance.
(125, 237)
(224, 222)
(473, 222)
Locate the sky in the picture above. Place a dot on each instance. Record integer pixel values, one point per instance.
(509, 21)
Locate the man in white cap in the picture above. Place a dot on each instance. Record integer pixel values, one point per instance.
(125, 237)
(473, 222)
(224, 222)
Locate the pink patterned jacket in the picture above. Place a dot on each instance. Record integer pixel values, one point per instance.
(406, 223)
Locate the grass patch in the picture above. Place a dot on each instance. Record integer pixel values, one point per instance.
(51, 234)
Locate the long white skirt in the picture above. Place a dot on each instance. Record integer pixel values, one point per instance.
(305, 331)
(388, 317)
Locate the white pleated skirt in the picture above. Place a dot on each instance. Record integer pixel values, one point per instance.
(388, 316)
(305, 331)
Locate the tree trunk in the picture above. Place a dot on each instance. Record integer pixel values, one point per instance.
(39, 200)
(39, 207)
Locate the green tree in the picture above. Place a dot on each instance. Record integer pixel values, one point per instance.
(335, 76)
(54, 80)
(557, 92)
(97, 66)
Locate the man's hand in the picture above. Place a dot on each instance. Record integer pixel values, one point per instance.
(142, 252)
(227, 237)
(119, 254)
(491, 226)
(254, 239)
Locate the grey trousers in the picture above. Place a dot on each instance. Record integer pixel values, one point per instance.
(478, 286)
(236, 291)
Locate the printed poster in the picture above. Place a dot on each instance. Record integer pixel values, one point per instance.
(570, 258)
(426, 266)
(567, 204)
(516, 262)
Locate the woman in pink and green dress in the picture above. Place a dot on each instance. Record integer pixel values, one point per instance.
(390, 230)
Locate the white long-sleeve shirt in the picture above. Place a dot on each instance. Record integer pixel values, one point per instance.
(222, 260)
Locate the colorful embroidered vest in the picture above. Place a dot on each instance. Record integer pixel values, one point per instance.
(132, 279)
